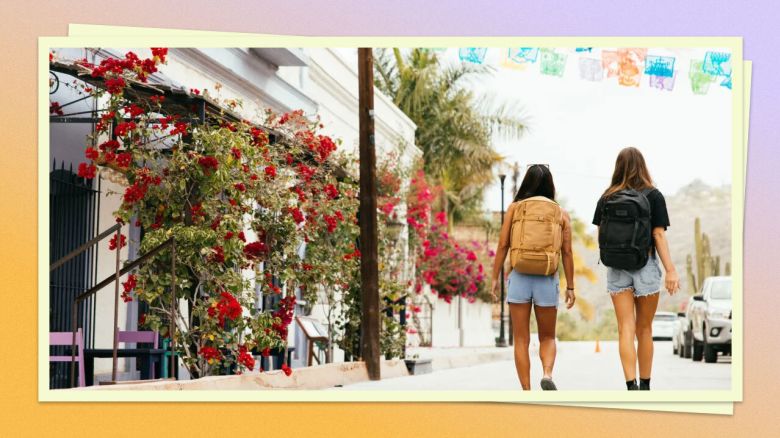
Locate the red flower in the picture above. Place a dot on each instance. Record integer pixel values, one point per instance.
(55, 108)
(255, 250)
(124, 128)
(160, 53)
(240, 186)
(135, 192)
(157, 100)
(305, 172)
(331, 191)
(245, 359)
(127, 287)
(87, 171)
(297, 215)
(331, 222)
(210, 353)
(208, 163)
(109, 145)
(122, 242)
(387, 208)
(471, 256)
(142, 319)
(270, 172)
(285, 314)
(124, 160)
(287, 370)
(339, 215)
(326, 147)
(115, 85)
(227, 307)
(241, 236)
(91, 154)
(195, 91)
(218, 255)
(133, 110)
(179, 128)
(236, 153)
(215, 223)
(228, 235)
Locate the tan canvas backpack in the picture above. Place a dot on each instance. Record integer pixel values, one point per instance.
(536, 236)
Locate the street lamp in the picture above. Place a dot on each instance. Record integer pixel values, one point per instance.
(501, 341)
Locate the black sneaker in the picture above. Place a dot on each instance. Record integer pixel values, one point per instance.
(632, 386)
(644, 384)
(548, 384)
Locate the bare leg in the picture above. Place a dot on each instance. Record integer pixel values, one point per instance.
(545, 320)
(645, 311)
(624, 310)
(521, 320)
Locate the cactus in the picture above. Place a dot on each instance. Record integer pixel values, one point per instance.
(706, 264)
(691, 275)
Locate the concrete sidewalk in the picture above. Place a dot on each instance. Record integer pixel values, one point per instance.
(457, 357)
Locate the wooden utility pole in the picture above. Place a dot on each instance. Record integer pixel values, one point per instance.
(369, 270)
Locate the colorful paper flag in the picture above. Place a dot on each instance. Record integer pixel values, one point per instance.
(717, 63)
(659, 66)
(663, 82)
(591, 69)
(475, 55)
(523, 54)
(552, 63)
(700, 80)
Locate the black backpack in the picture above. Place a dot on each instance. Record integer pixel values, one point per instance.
(625, 234)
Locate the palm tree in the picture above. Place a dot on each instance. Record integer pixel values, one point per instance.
(455, 128)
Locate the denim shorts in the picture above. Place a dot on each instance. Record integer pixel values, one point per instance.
(643, 282)
(541, 290)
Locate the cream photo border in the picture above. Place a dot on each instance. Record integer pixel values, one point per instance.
(659, 400)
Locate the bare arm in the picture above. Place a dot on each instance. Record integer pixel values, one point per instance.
(566, 252)
(568, 260)
(503, 244)
(662, 246)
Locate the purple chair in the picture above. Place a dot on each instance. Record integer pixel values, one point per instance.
(142, 337)
(66, 338)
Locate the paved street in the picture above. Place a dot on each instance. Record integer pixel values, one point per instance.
(577, 366)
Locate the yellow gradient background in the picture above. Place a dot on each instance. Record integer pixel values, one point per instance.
(22, 415)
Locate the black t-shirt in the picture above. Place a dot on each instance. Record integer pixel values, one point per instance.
(659, 216)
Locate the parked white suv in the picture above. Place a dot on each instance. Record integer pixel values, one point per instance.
(663, 325)
(710, 319)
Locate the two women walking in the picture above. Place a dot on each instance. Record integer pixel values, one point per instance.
(537, 234)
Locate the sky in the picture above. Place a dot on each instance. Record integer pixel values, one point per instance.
(578, 127)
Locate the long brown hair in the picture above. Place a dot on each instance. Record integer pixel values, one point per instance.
(630, 172)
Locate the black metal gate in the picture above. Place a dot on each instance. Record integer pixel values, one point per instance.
(73, 220)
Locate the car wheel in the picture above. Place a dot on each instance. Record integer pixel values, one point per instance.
(710, 354)
(687, 345)
(698, 351)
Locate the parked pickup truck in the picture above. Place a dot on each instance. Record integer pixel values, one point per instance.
(710, 320)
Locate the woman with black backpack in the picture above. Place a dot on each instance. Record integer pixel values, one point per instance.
(536, 233)
(632, 220)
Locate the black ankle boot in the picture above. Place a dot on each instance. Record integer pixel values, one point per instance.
(631, 385)
(644, 384)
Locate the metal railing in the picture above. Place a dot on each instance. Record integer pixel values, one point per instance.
(118, 273)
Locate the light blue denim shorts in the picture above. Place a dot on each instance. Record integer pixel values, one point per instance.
(643, 282)
(541, 290)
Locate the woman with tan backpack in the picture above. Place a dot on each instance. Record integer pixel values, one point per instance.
(536, 232)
